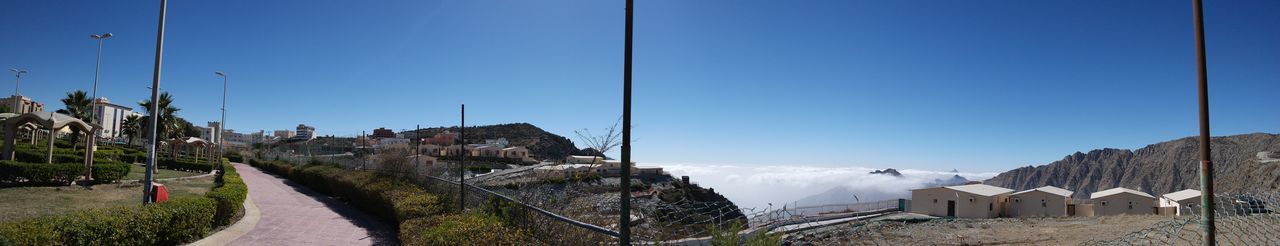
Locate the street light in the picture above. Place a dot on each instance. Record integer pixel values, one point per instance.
(96, 68)
(17, 100)
(222, 124)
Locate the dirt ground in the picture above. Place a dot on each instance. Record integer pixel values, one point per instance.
(1034, 231)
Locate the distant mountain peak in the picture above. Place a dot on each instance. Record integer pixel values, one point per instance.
(888, 171)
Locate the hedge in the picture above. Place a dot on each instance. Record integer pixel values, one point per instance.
(185, 165)
(422, 217)
(59, 173)
(174, 222)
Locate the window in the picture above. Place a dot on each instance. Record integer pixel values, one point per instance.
(971, 199)
(1043, 204)
(991, 206)
(1017, 200)
(935, 200)
(1104, 203)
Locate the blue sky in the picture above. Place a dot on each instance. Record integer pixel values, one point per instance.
(971, 85)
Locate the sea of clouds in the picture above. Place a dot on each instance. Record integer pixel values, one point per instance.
(759, 186)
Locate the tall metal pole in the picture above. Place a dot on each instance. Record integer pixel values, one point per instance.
(155, 108)
(624, 228)
(462, 165)
(97, 67)
(1206, 161)
(17, 98)
(222, 125)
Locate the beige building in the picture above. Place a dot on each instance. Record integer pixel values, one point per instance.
(1180, 201)
(26, 106)
(1118, 201)
(563, 171)
(962, 201)
(1047, 201)
(517, 152)
(582, 159)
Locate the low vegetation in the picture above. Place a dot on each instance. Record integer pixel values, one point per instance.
(180, 220)
(422, 217)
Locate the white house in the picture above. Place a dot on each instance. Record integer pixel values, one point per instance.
(1180, 200)
(562, 171)
(963, 201)
(1118, 201)
(1047, 201)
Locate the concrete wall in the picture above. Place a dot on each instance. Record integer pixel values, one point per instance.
(1123, 203)
(933, 201)
(1037, 204)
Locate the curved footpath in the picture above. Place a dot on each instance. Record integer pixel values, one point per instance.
(291, 214)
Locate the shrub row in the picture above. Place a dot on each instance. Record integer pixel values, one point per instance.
(177, 221)
(422, 217)
(185, 165)
(58, 173)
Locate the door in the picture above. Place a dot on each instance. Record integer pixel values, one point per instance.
(951, 208)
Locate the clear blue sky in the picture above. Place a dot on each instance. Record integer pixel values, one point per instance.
(973, 85)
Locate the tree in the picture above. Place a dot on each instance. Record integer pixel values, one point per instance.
(131, 127)
(167, 122)
(602, 143)
(77, 105)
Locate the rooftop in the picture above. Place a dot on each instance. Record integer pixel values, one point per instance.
(1182, 195)
(980, 189)
(1051, 190)
(1118, 190)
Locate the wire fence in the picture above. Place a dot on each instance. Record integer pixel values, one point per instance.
(1241, 219)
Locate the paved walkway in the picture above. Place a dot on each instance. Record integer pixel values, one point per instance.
(294, 215)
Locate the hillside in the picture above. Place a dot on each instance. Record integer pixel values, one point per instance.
(541, 144)
(1242, 163)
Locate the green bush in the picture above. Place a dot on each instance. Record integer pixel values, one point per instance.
(109, 172)
(167, 223)
(185, 165)
(460, 229)
(40, 173)
(174, 222)
(230, 195)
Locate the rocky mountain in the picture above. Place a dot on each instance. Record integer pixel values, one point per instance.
(888, 171)
(541, 144)
(1241, 162)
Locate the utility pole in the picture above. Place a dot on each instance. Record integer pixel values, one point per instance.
(1206, 160)
(155, 108)
(222, 125)
(97, 67)
(624, 228)
(17, 99)
(462, 164)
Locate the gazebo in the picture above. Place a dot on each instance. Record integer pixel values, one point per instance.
(53, 122)
(188, 145)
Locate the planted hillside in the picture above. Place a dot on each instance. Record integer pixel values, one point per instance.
(541, 144)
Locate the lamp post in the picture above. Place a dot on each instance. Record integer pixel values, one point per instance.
(17, 100)
(222, 124)
(155, 106)
(93, 117)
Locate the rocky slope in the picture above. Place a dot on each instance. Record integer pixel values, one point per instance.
(1242, 163)
(541, 144)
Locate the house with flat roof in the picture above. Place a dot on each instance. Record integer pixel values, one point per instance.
(1181, 201)
(1117, 201)
(962, 201)
(1047, 201)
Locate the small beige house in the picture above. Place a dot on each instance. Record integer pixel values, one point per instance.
(1180, 200)
(1118, 201)
(962, 201)
(1047, 201)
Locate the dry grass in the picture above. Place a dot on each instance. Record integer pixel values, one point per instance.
(136, 172)
(27, 202)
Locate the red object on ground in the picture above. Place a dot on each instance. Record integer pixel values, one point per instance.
(161, 193)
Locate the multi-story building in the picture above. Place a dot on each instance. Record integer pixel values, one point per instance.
(283, 134)
(111, 117)
(26, 106)
(383, 133)
(209, 133)
(305, 132)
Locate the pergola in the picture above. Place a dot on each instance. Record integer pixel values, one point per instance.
(188, 145)
(52, 122)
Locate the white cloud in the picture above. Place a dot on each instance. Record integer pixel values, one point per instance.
(758, 186)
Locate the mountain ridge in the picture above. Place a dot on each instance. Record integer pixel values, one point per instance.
(1241, 164)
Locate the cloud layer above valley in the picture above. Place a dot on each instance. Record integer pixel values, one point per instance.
(758, 186)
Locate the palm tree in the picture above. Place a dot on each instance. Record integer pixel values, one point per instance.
(132, 126)
(167, 122)
(77, 105)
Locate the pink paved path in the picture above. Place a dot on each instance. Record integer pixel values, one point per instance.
(295, 215)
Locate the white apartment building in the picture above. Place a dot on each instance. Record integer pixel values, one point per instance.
(111, 116)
